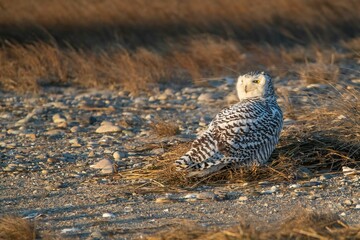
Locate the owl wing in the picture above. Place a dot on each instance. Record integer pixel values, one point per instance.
(241, 127)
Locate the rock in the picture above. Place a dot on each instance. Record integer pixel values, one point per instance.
(32, 136)
(105, 165)
(312, 184)
(294, 186)
(116, 156)
(9, 168)
(243, 198)
(190, 197)
(205, 196)
(269, 191)
(74, 129)
(105, 128)
(96, 235)
(162, 96)
(108, 215)
(55, 133)
(91, 154)
(13, 132)
(128, 209)
(57, 118)
(357, 207)
(205, 97)
(6, 115)
(74, 142)
(163, 200)
(69, 230)
(347, 202)
(51, 160)
(106, 123)
(169, 92)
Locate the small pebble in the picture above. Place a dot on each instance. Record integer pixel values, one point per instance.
(205, 195)
(243, 198)
(108, 215)
(116, 156)
(105, 165)
(128, 209)
(109, 127)
(69, 230)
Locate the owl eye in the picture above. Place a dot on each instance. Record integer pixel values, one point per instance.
(256, 81)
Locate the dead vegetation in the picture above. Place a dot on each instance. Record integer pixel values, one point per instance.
(165, 129)
(303, 224)
(12, 227)
(134, 45)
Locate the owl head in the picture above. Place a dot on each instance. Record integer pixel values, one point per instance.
(255, 84)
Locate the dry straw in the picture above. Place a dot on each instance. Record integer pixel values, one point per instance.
(303, 224)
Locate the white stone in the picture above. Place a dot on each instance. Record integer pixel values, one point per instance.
(205, 97)
(105, 165)
(205, 195)
(116, 155)
(69, 230)
(243, 198)
(106, 123)
(107, 128)
(57, 118)
(162, 96)
(108, 215)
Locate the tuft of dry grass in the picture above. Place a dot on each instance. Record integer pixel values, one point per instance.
(323, 69)
(165, 129)
(303, 224)
(12, 227)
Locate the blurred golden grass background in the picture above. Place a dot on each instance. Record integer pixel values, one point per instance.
(136, 44)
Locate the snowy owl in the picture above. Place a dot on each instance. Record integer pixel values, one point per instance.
(245, 133)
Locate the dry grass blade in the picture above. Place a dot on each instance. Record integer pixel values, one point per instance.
(12, 227)
(302, 225)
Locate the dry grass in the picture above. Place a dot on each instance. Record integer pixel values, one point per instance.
(135, 45)
(302, 225)
(165, 129)
(17, 228)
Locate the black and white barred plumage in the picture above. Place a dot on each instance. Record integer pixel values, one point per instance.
(246, 133)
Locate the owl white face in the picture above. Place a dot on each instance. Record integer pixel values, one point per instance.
(253, 85)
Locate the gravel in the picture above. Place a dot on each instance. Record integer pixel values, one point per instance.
(56, 166)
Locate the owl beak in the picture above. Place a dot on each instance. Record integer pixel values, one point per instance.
(246, 89)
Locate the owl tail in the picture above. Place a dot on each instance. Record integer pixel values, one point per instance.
(203, 154)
